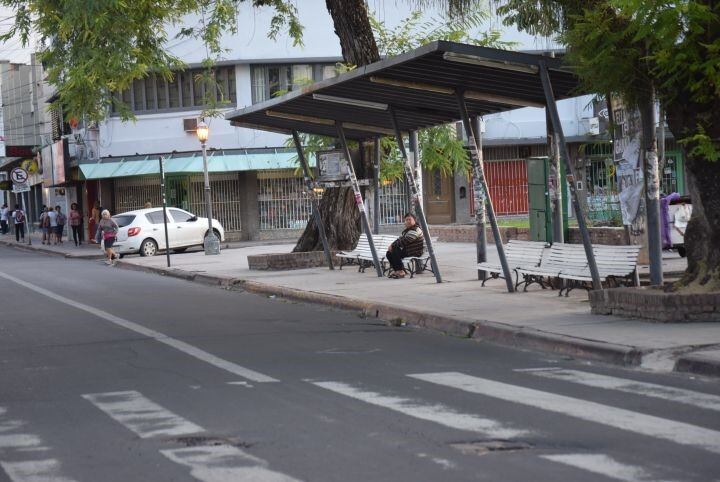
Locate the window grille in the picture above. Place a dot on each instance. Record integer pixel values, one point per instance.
(283, 202)
(393, 202)
(183, 92)
(225, 194)
(131, 193)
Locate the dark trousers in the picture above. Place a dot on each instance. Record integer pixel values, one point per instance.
(77, 234)
(3, 227)
(395, 257)
(19, 231)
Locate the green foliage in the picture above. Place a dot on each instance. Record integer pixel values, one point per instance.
(634, 47)
(439, 146)
(93, 50)
(413, 32)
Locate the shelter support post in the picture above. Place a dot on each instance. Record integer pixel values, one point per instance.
(313, 197)
(414, 144)
(479, 175)
(479, 199)
(376, 186)
(419, 212)
(564, 153)
(358, 198)
(558, 233)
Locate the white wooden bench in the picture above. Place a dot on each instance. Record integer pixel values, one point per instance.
(568, 262)
(562, 256)
(518, 253)
(362, 255)
(416, 264)
(616, 265)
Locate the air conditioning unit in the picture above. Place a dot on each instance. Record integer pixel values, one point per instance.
(190, 124)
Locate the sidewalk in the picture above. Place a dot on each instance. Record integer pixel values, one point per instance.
(538, 319)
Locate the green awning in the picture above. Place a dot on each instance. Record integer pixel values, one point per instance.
(217, 162)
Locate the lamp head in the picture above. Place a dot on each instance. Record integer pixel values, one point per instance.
(203, 132)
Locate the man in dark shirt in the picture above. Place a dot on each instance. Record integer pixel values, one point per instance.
(410, 243)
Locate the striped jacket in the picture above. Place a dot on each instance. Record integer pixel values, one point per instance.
(411, 241)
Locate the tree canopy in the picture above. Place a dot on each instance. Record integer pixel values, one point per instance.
(92, 51)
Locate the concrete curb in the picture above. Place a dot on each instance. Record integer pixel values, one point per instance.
(41, 249)
(698, 364)
(486, 330)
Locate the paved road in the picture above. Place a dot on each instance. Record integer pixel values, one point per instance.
(111, 375)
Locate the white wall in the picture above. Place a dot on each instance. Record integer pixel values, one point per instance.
(159, 133)
(529, 122)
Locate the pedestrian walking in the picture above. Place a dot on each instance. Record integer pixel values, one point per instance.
(52, 229)
(61, 219)
(76, 224)
(93, 220)
(4, 214)
(18, 216)
(107, 231)
(45, 226)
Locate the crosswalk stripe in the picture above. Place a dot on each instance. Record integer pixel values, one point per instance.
(141, 415)
(214, 463)
(437, 413)
(679, 395)
(186, 348)
(47, 470)
(221, 463)
(649, 425)
(21, 447)
(607, 466)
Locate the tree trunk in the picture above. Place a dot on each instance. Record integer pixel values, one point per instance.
(337, 207)
(352, 26)
(702, 237)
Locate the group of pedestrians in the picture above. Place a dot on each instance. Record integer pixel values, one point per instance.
(52, 226)
(52, 223)
(18, 218)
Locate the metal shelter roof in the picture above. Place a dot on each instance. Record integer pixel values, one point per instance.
(420, 86)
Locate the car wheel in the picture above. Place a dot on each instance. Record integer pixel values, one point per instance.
(121, 255)
(148, 248)
(179, 250)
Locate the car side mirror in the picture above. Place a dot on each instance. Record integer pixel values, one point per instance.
(193, 219)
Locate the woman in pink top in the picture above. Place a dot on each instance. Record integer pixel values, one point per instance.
(76, 223)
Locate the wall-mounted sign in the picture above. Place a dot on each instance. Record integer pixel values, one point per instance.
(332, 166)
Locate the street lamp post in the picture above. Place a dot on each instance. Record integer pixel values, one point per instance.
(212, 243)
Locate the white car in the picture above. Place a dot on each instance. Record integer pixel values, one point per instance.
(143, 232)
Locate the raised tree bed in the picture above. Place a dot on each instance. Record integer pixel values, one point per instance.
(656, 305)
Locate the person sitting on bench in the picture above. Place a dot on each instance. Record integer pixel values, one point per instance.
(409, 244)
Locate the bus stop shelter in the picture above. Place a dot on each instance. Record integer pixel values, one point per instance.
(438, 83)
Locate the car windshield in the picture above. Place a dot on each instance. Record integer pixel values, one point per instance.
(123, 220)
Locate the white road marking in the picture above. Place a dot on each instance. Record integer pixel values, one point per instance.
(604, 465)
(222, 463)
(679, 395)
(47, 470)
(19, 440)
(155, 335)
(437, 413)
(242, 384)
(141, 415)
(649, 425)
(17, 446)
